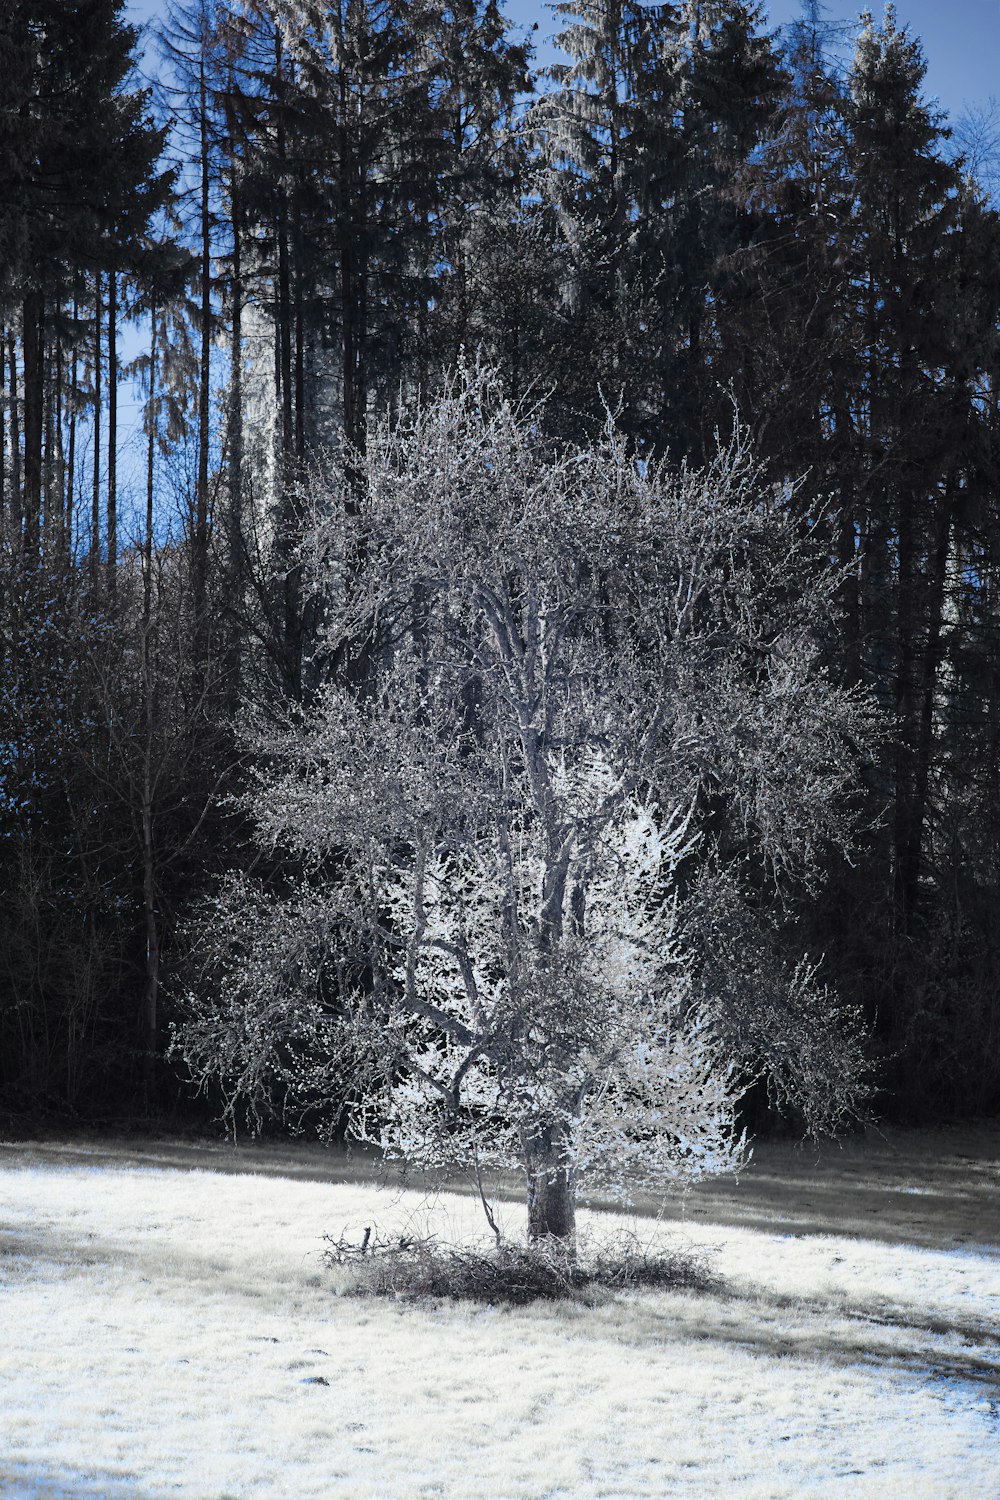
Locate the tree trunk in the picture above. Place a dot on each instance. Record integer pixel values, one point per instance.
(298, 317)
(236, 539)
(291, 604)
(903, 830)
(147, 550)
(926, 688)
(56, 457)
(284, 271)
(352, 231)
(150, 1003)
(34, 405)
(71, 456)
(3, 435)
(112, 430)
(151, 988)
(16, 500)
(199, 540)
(551, 1190)
(95, 509)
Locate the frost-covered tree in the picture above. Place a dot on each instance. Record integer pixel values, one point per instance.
(556, 676)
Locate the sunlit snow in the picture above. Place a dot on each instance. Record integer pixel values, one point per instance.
(169, 1329)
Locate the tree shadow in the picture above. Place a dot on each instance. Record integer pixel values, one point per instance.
(831, 1329)
(935, 1188)
(25, 1256)
(35, 1481)
(831, 1332)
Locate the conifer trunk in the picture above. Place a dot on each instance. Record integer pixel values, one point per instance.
(151, 989)
(17, 501)
(923, 729)
(352, 233)
(95, 507)
(291, 602)
(236, 540)
(3, 433)
(55, 492)
(32, 341)
(112, 430)
(71, 454)
(150, 1002)
(199, 560)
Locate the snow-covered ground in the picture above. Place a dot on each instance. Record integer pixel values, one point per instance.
(168, 1328)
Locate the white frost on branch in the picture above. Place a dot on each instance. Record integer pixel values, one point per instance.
(575, 708)
(593, 1030)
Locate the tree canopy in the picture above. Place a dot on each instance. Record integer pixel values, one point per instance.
(291, 224)
(507, 833)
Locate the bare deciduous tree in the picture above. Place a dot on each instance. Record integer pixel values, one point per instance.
(572, 662)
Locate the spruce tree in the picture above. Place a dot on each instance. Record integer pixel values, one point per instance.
(81, 156)
(648, 131)
(906, 207)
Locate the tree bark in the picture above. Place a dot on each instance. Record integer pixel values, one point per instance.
(3, 435)
(71, 409)
(923, 731)
(199, 540)
(284, 271)
(550, 1186)
(236, 539)
(353, 231)
(16, 502)
(291, 604)
(56, 457)
(32, 341)
(112, 430)
(147, 550)
(95, 508)
(151, 989)
(150, 1003)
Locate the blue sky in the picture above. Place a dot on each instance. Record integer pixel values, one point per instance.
(961, 41)
(961, 38)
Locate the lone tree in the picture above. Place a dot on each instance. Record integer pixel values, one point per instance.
(573, 700)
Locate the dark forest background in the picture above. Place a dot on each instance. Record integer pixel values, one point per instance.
(316, 209)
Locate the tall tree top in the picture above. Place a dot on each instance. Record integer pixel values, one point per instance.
(77, 144)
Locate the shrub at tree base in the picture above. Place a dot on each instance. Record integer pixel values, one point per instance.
(413, 1269)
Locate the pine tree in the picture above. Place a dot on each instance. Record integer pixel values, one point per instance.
(904, 241)
(648, 130)
(608, 131)
(356, 139)
(732, 82)
(81, 153)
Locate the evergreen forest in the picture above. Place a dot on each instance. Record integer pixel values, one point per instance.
(266, 226)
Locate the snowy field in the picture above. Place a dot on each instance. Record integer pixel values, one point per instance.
(168, 1328)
